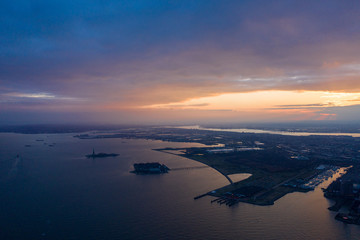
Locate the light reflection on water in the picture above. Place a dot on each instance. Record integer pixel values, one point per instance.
(237, 177)
(63, 195)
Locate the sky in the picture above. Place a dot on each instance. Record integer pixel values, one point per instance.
(184, 61)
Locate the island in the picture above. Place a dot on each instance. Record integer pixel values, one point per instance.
(150, 168)
(101, 155)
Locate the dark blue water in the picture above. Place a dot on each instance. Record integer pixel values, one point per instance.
(59, 194)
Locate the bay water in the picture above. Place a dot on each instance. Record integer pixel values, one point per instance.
(58, 193)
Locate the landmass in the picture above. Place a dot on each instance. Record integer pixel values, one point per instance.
(101, 155)
(279, 164)
(304, 126)
(150, 168)
(273, 174)
(345, 191)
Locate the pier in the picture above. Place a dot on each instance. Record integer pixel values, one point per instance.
(200, 196)
(229, 200)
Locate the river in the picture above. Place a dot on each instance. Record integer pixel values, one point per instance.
(287, 133)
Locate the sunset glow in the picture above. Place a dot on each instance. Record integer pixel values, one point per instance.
(267, 100)
(133, 61)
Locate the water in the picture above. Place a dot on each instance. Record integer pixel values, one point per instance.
(237, 177)
(287, 133)
(59, 194)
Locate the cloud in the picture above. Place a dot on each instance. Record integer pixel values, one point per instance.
(303, 105)
(22, 96)
(127, 54)
(187, 105)
(300, 106)
(29, 95)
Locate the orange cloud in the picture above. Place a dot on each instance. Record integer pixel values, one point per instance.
(331, 65)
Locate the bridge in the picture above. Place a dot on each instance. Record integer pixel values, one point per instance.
(200, 167)
(188, 168)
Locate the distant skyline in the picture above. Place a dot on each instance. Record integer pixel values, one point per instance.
(179, 61)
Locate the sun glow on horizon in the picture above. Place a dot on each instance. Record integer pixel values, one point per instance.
(266, 100)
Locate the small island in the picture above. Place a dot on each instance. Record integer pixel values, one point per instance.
(101, 155)
(150, 168)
